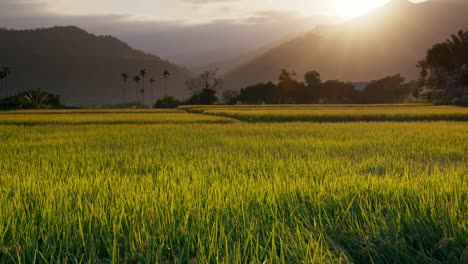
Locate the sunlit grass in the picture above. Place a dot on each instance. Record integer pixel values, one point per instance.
(107, 117)
(338, 113)
(232, 192)
(91, 111)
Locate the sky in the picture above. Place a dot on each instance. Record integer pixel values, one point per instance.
(191, 33)
(193, 11)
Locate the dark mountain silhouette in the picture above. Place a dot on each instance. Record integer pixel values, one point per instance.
(84, 68)
(385, 41)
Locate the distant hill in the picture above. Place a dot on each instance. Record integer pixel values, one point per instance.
(385, 41)
(84, 68)
(227, 66)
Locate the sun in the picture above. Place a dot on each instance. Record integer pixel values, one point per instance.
(352, 8)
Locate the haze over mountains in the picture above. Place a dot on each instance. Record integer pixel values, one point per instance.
(388, 40)
(188, 33)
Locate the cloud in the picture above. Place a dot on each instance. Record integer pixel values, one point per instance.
(199, 2)
(179, 41)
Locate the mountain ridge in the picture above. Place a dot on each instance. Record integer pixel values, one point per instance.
(82, 67)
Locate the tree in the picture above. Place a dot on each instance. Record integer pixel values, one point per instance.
(32, 99)
(338, 92)
(4, 72)
(390, 89)
(207, 80)
(166, 75)
(167, 102)
(125, 77)
(288, 87)
(137, 80)
(286, 76)
(231, 96)
(204, 88)
(36, 98)
(261, 93)
(143, 75)
(151, 82)
(444, 71)
(203, 97)
(2, 76)
(312, 79)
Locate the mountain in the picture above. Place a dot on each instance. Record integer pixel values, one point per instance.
(388, 40)
(226, 66)
(83, 68)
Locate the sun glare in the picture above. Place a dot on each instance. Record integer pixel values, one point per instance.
(352, 8)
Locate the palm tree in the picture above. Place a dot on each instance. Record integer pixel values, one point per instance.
(137, 80)
(6, 72)
(152, 81)
(2, 76)
(166, 74)
(125, 77)
(36, 98)
(143, 74)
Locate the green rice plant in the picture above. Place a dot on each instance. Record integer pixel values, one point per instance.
(204, 192)
(334, 113)
(138, 117)
(338, 113)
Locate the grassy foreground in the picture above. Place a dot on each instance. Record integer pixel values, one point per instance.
(204, 192)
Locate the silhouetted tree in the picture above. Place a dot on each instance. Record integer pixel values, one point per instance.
(231, 96)
(166, 75)
(389, 89)
(125, 77)
(285, 75)
(151, 82)
(338, 92)
(288, 87)
(143, 75)
(2, 76)
(261, 93)
(204, 88)
(310, 91)
(207, 80)
(4, 72)
(312, 79)
(203, 97)
(137, 80)
(444, 71)
(167, 102)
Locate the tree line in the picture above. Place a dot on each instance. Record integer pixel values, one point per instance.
(313, 90)
(443, 80)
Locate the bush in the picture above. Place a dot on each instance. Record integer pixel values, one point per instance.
(204, 97)
(32, 99)
(167, 102)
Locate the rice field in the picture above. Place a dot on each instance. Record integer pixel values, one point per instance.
(104, 117)
(335, 113)
(175, 187)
